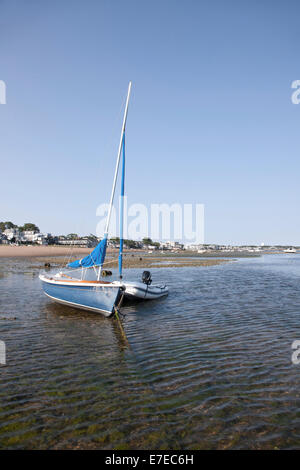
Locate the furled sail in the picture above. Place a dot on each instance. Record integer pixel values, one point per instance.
(95, 258)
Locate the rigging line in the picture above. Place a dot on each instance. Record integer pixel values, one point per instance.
(71, 250)
(116, 171)
(110, 141)
(68, 255)
(95, 266)
(108, 262)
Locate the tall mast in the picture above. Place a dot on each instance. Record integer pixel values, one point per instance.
(118, 161)
(116, 170)
(122, 208)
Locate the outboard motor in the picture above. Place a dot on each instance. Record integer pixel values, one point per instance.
(146, 278)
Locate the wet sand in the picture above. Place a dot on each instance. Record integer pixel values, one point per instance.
(138, 261)
(60, 256)
(161, 262)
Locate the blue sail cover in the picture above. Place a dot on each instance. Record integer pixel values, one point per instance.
(97, 257)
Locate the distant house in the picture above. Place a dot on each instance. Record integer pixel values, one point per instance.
(3, 238)
(83, 242)
(199, 248)
(41, 239)
(30, 236)
(112, 244)
(171, 245)
(12, 234)
(89, 242)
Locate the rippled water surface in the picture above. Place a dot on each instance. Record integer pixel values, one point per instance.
(208, 367)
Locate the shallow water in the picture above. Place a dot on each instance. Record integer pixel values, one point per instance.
(209, 366)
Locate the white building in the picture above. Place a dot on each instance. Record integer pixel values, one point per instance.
(11, 233)
(83, 242)
(29, 236)
(199, 248)
(171, 245)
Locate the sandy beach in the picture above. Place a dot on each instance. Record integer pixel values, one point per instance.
(8, 251)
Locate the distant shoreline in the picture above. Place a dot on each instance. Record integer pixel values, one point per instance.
(8, 251)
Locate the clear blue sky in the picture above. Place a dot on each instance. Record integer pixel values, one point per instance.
(211, 119)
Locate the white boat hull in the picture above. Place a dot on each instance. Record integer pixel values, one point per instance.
(139, 290)
(94, 296)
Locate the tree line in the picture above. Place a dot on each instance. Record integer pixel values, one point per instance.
(22, 228)
(73, 236)
(135, 244)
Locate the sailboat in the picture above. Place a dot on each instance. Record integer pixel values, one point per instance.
(290, 250)
(80, 286)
